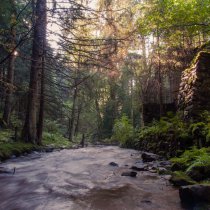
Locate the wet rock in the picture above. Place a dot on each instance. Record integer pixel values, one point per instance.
(149, 157)
(146, 201)
(6, 170)
(153, 171)
(196, 193)
(162, 171)
(165, 164)
(129, 173)
(139, 167)
(179, 178)
(167, 177)
(113, 164)
(49, 149)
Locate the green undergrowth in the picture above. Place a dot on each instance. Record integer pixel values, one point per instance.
(195, 163)
(9, 147)
(123, 132)
(179, 178)
(169, 136)
(56, 140)
(7, 150)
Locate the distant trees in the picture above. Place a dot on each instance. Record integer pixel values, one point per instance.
(107, 59)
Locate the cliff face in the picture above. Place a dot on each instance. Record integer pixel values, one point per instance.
(194, 92)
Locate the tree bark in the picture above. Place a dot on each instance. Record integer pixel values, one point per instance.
(159, 76)
(41, 108)
(8, 97)
(10, 78)
(30, 127)
(72, 118)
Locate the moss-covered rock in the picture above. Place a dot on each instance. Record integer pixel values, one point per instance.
(195, 193)
(179, 178)
(15, 148)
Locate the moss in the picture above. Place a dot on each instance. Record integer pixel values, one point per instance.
(15, 148)
(179, 178)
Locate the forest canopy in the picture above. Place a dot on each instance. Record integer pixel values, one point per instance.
(74, 68)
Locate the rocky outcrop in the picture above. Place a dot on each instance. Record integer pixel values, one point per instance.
(194, 92)
(149, 157)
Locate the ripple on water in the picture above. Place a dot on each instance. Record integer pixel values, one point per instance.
(83, 180)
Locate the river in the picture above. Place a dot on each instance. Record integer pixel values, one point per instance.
(82, 179)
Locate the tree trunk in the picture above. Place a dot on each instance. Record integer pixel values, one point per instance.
(8, 97)
(30, 127)
(72, 119)
(10, 81)
(78, 119)
(99, 119)
(41, 109)
(159, 77)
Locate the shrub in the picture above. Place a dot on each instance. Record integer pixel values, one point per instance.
(123, 131)
(55, 139)
(169, 133)
(195, 162)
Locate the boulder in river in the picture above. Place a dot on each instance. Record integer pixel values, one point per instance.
(149, 157)
(139, 167)
(113, 164)
(129, 173)
(49, 149)
(7, 171)
(195, 193)
(165, 164)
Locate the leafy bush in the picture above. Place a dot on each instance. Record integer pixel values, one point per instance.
(55, 139)
(201, 133)
(195, 163)
(123, 131)
(51, 126)
(6, 135)
(169, 132)
(190, 157)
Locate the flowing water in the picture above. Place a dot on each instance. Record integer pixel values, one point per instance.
(82, 179)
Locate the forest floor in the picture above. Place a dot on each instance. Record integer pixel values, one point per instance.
(9, 148)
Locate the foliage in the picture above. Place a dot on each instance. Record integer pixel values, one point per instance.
(123, 131)
(162, 134)
(174, 17)
(15, 148)
(179, 178)
(190, 157)
(201, 129)
(56, 140)
(5, 135)
(200, 161)
(51, 126)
